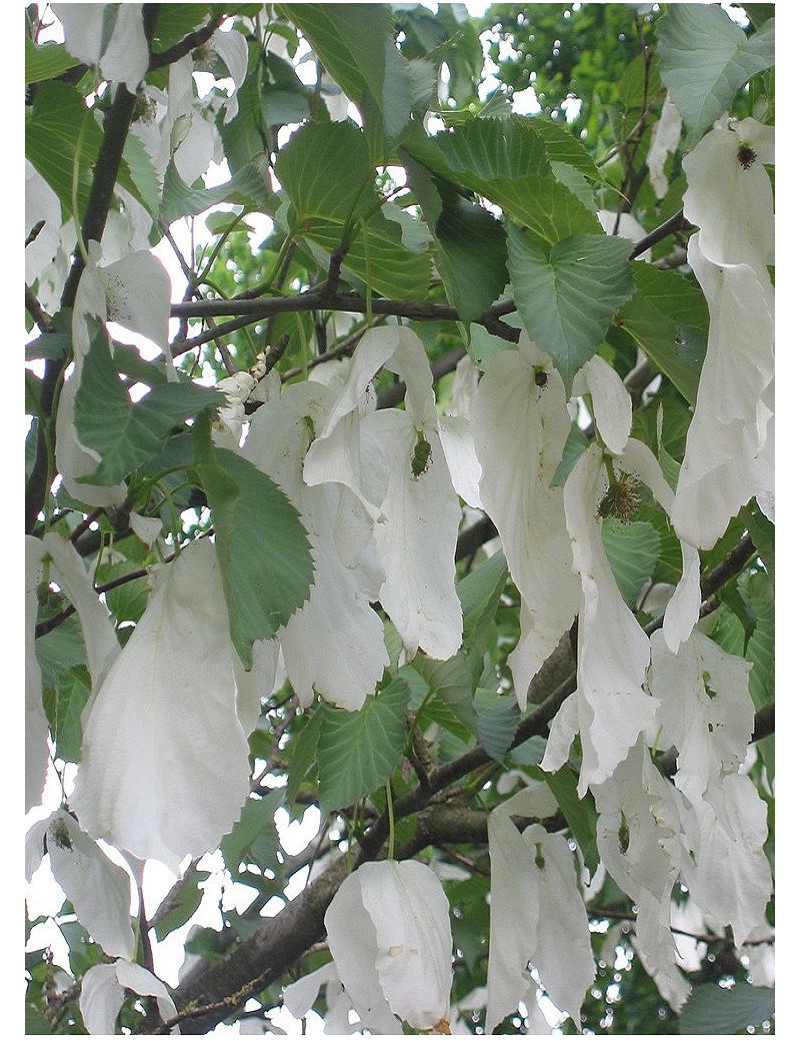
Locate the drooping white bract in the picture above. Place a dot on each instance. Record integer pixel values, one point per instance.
(537, 914)
(41, 204)
(298, 998)
(389, 933)
(231, 47)
(347, 576)
(134, 291)
(69, 571)
(663, 142)
(727, 870)
(611, 708)
(519, 415)
(639, 841)
(728, 451)
(705, 709)
(99, 890)
(124, 56)
(728, 457)
(416, 536)
(455, 429)
(395, 463)
(103, 992)
(611, 402)
(37, 728)
(165, 770)
(729, 195)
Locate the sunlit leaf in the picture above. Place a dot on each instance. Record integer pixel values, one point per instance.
(358, 751)
(568, 295)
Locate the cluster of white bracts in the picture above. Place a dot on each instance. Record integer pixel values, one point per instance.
(378, 492)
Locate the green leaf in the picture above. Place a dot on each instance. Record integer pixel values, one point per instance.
(633, 550)
(46, 61)
(761, 644)
(712, 1009)
(480, 592)
(63, 704)
(262, 545)
(568, 295)
(248, 187)
(668, 319)
(705, 58)
(579, 813)
(35, 1022)
(302, 755)
(498, 718)
(127, 601)
(254, 837)
(436, 712)
(509, 162)
(575, 445)
(452, 682)
(182, 906)
(52, 346)
(60, 133)
(376, 257)
(358, 751)
(326, 171)
(125, 434)
(355, 43)
(470, 244)
(483, 346)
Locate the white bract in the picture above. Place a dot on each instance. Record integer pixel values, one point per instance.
(124, 56)
(348, 575)
(705, 709)
(610, 705)
(639, 841)
(729, 450)
(135, 292)
(727, 870)
(99, 890)
(663, 142)
(395, 462)
(103, 992)
(165, 770)
(519, 414)
(389, 932)
(537, 914)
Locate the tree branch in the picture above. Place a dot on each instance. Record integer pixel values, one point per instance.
(105, 178)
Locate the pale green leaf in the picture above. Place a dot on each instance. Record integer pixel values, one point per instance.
(358, 751)
(249, 187)
(262, 546)
(470, 244)
(579, 813)
(712, 1009)
(508, 162)
(46, 61)
(567, 296)
(62, 133)
(705, 58)
(355, 43)
(668, 319)
(498, 718)
(326, 171)
(254, 838)
(376, 256)
(633, 550)
(122, 433)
